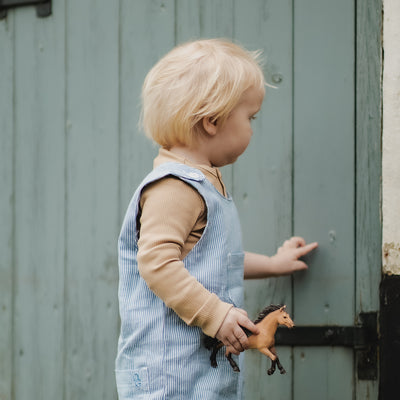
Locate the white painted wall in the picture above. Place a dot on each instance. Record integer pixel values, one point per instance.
(391, 138)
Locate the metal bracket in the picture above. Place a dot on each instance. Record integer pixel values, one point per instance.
(43, 7)
(362, 337)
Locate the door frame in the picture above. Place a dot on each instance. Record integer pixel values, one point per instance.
(368, 112)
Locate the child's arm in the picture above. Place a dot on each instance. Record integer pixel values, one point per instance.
(164, 230)
(285, 262)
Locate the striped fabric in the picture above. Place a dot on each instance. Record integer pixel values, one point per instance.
(159, 356)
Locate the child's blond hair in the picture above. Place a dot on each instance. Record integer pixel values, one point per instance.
(204, 78)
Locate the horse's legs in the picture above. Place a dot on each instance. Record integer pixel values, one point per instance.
(267, 352)
(271, 353)
(272, 369)
(281, 369)
(278, 363)
(213, 356)
(232, 362)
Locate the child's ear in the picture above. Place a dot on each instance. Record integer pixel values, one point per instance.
(210, 125)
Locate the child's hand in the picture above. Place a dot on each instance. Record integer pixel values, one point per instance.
(231, 334)
(286, 260)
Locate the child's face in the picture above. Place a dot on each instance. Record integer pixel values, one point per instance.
(233, 137)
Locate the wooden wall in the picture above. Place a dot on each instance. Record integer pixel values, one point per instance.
(71, 156)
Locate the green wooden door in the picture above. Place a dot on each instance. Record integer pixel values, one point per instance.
(71, 155)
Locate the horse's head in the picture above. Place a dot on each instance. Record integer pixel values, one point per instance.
(284, 318)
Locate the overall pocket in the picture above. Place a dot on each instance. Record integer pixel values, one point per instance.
(132, 383)
(235, 278)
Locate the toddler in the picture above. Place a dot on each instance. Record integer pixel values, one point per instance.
(181, 260)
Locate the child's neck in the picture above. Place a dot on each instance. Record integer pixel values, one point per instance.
(195, 156)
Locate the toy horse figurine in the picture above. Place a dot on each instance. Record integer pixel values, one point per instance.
(268, 321)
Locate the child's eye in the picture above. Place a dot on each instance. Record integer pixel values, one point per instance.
(253, 117)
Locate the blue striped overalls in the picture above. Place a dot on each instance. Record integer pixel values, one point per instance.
(159, 356)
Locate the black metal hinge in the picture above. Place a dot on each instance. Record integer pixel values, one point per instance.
(362, 337)
(43, 7)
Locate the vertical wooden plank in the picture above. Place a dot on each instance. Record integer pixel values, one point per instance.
(204, 19)
(324, 156)
(201, 19)
(319, 374)
(92, 198)
(7, 203)
(147, 33)
(368, 167)
(39, 204)
(324, 183)
(368, 130)
(263, 175)
(189, 21)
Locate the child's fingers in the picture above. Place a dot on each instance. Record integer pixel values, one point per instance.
(246, 323)
(302, 251)
(297, 241)
(231, 333)
(238, 340)
(300, 266)
(244, 312)
(294, 242)
(231, 350)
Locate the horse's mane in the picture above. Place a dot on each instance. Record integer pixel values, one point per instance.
(267, 310)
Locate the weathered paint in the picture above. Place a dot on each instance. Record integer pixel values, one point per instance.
(390, 286)
(391, 258)
(391, 138)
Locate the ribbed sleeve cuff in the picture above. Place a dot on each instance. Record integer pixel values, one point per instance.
(211, 315)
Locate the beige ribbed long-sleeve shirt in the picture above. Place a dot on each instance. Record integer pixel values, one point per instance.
(173, 217)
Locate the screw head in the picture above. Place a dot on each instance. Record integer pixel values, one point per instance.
(277, 78)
